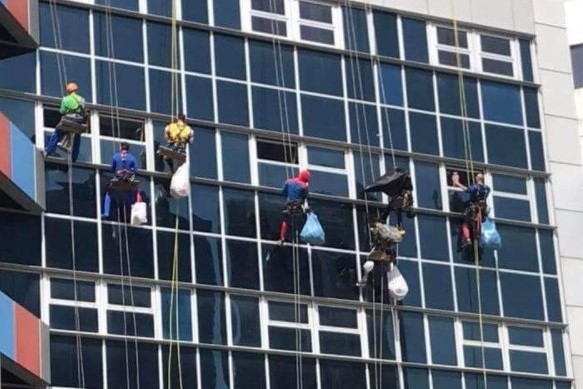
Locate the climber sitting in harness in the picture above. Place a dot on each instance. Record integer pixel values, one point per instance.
(73, 121)
(123, 186)
(296, 191)
(477, 210)
(178, 134)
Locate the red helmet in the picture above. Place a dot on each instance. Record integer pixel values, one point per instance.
(304, 176)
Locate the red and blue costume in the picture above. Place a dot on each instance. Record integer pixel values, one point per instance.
(296, 191)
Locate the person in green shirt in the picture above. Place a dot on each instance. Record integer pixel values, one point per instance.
(72, 110)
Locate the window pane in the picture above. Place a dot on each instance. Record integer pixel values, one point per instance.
(501, 102)
(21, 113)
(341, 344)
(423, 133)
(138, 256)
(317, 12)
(547, 249)
(245, 321)
(446, 36)
(363, 124)
(359, 79)
(107, 27)
(122, 366)
(336, 219)
(541, 201)
(498, 67)
(275, 110)
(235, 150)
(525, 336)
(20, 238)
(576, 61)
(269, 26)
(355, 29)
(65, 289)
(269, 69)
(558, 352)
(314, 34)
(519, 250)
(320, 72)
(495, 45)
(59, 249)
(385, 25)
(329, 183)
(391, 88)
(124, 295)
(197, 56)
(528, 362)
(394, 129)
(195, 11)
(203, 154)
(526, 60)
(420, 89)
(526, 383)
(292, 339)
(506, 146)
(493, 356)
(334, 275)
(208, 256)
(452, 131)
(204, 217)
(441, 332)
(65, 349)
(553, 299)
(467, 291)
(239, 206)
(131, 5)
(167, 252)
(472, 331)
(23, 288)
(342, 375)
(516, 302)
(242, 264)
(449, 96)
(120, 85)
(281, 366)
(515, 209)
(272, 6)
(278, 270)
(248, 370)
(130, 324)
(410, 270)
(214, 368)
(183, 369)
(326, 157)
(510, 184)
(415, 378)
(228, 14)
(381, 336)
(323, 118)
(446, 379)
(428, 185)
(412, 337)
(451, 59)
(531, 105)
(437, 286)
(537, 156)
(283, 311)
(230, 56)
(211, 305)
(160, 84)
(433, 237)
(160, 45)
(73, 31)
(199, 93)
(18, 73)
(337, 317)
(78, 69)
(233, 103)
(415, 40)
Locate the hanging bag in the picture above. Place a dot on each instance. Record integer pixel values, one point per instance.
(180, 184)
(313, 233)
(139, 212)
(398, 287)
(490, 237)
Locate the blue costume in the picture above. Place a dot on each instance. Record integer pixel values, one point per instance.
(296, 192)
(478, 192)
(124, 166)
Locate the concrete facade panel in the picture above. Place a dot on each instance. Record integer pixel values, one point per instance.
(570, 225)
(575, 315)
(560, 133)
(417, 6)
(553, 50)
(577, 370)
(572, 270)
(557, 91)
(567, 182)
(493, 13)
(549, 12)
(573, 12)
(523, 16)
(444, 9)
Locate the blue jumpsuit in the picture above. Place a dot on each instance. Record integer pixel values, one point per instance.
(124, 166)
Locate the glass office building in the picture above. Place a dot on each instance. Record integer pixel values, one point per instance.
(346, 89)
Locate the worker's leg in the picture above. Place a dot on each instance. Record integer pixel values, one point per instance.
(53, 142)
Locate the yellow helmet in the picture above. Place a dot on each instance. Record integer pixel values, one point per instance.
(72, 87)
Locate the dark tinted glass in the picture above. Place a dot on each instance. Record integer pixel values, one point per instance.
(160, 45)
(515, 209)
(518, 251)
(359, 79)
(239, 207)
(366, 169)
(78, 69)
(131, 5)
(195, 11)
(68, 350)
(283, 311)
(59, 246)
(446, 379)
(547, 250)
(450, 99)
(320, 72)
(242, 264)
(428, 185)
(271, 69)
(205, 210)
(317, 12)
(160, 85)
(180, 369)
(576, 61)
(390, 84)
(65, 318)
(528, 362)
(73, 31)
(511, 184)
(18, 73)
(138, 255)
(23, 288)
(415, 40)
(230, 56)
(170, 256)
(273, 6)
(315, 34)
(553, 299)
(211, 305)
(130, 324)
(235, 150)
(329, 183)
(467, 292)
(526, 60)
(447, 36)
(342, 344)
(334, 275)
(394, 129)
(420, 89)
(290, 339)
(437, 286)
(387, 40)
(410, 270)
(122, 368)
(232, 102)
(196, 48)
(120, 85)
(516, 302)
(283, 372)
(355, 29)
(501, 102)
(65, 289)
(159, 7)
(452, 132)
(558, 352)
(227, 14)
(433, 237)
(412, 337)
(275, 110)
(506, 146)
(20, 239)
(415, 378)
(488, 332)
(214, 368)
(495, 45)
(526, 383)
(498, 67)
(326, 157)
(279, 270)
(107, 30)
(248, 370)
(337, 317)
(363, 124)
(336, 219)
(245, 321)
(541, 201)
(323, 118)
(342, 375)
(423, 133)
(526, 336)
(208, 256)
(203, 154)
(537, 156)
(531, 105)
(381, 334)
(124, 295)
(199, 92)
(442, 335)
(451, 59)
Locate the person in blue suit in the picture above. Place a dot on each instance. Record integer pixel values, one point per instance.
(477, 210)
(124, 167)
(296, 192)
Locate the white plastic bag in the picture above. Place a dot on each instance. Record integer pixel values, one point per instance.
(139, 214)
(398, 288)
(180, 184)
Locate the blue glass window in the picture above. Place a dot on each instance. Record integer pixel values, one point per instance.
(245, 321)
(166, 253)
(214, 369)
(390, 84)
(199, 98)
(323, 118)
(526, 383)
(526, 336)
(280, 368)
(76, 68)
(248, 370)
(242, 264)
(57, 190)
(337, 220)
(501, 102)
(415, 378)
(342, 375)
(230, 56)
(366, 170)
(320, 72)
(334, 275)
(386, 33)
(433, 237)
(423, 133)
(205, 218)
(506, 146)
(359, 79)
(446, 379)
(518, 251)
(558, 352)
(452, 132)
(180, 328)
(449, 96)
(394, 129)
(528, 362)
(547, 249)
(515, 209)
(73, 31)
(531, 105)
(68, 350)
(65, 289)
(541, 200)
(73, 318)
(342, 344)
(20, 113)
(23, 288)
(233, 103)
(18, 73)
(553, 299)
(516, 302)
(239, 208)
(437, 286)
(179, 369)
(161, 100)
(271, 64)
(428, 185)
(130, 324)
(139, 241)
(467, 291)
(442, 335)
(278, 271)
(419, 89)
(208, 256)
(410, 270)
(329, 183)
(235, 151)
(59, 249)
(415, 40)
(195, 11)
(510, 184)
(122, 367)
(159, 7)
(131, 5)
(226, 13)
(412, 337)
(120, 85)
(197, 56)
(203, 154)
(355, 29)
(381, 335)
(211, 305)
(160, 45)
(107, 30)
(326, 157)
(275, 110)
(526, 60)
(363, 124)
(537, 155)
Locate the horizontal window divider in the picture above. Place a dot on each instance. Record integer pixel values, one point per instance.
(51, 215)
(339, 330)
(530, 349)
(290, 324)
(72, 303)
(128, 308)
(508, 195)
(274, 87)
(477, 343)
